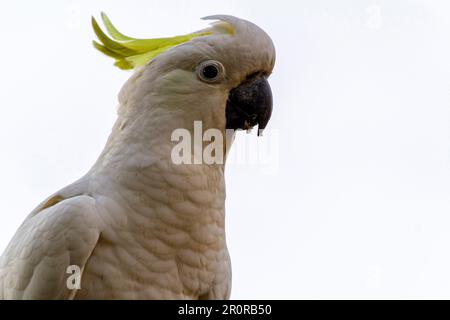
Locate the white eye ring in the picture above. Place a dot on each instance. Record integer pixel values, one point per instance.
(210, 71)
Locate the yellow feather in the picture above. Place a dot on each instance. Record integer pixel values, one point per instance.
(131, 52)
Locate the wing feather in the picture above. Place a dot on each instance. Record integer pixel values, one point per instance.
(35, 262)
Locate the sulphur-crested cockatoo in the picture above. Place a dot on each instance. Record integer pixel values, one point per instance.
(142, 224)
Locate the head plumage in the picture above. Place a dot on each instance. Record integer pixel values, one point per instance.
(130, 53)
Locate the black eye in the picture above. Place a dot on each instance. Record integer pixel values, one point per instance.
(210, 71)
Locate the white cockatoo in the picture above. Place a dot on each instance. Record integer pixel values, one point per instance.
(140, 225)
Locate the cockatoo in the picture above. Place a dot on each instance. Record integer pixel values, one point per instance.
(139, 225)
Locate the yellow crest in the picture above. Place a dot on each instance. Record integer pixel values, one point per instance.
(130, 53)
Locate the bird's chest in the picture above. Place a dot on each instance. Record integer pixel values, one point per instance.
(164, 258)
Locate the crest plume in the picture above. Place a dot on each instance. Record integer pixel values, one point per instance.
(129, 52)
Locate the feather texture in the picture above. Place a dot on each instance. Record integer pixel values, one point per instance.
(129, 52)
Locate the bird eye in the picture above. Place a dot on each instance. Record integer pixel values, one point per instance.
(210, 71)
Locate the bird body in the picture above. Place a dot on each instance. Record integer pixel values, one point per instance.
(138, 225)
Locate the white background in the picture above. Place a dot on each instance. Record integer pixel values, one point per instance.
(357, 204)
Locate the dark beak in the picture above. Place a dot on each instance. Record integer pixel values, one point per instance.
(250, 104)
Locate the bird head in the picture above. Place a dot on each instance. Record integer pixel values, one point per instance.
(217, 75)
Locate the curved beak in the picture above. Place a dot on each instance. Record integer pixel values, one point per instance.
(249, 104)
